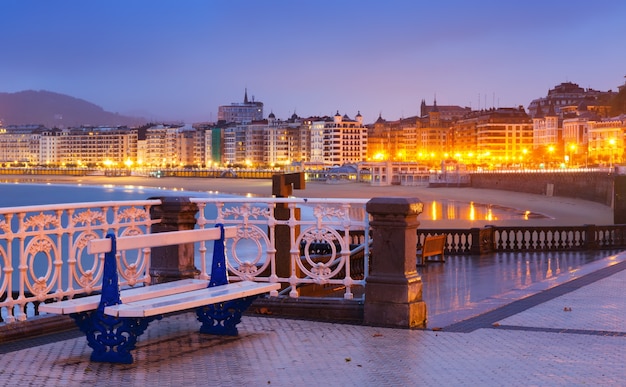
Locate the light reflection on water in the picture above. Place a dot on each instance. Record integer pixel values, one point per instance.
(457, 210)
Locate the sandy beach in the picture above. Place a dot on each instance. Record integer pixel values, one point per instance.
(559, 211)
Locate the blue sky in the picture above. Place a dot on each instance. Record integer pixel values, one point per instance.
(180, 60)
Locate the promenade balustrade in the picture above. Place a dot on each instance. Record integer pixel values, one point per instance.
(497, 239)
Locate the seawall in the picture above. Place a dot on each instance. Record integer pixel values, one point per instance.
(593, 186)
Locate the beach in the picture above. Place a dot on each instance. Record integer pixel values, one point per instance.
(558, 211)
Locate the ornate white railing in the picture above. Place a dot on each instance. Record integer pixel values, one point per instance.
(324, 240)
(43, 251)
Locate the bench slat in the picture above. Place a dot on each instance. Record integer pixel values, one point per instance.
(103, 245)
(193, 299)
(85, 304)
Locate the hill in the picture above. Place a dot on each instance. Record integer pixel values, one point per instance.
(56, 110)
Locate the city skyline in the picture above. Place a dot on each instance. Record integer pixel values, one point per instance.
(180, 61)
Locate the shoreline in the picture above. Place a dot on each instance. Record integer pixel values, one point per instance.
(559, 210)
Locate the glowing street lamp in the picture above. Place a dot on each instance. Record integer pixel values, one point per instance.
(550, 152)
(572, 151)
(612, 144)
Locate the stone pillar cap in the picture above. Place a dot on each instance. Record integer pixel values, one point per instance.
(395, 205)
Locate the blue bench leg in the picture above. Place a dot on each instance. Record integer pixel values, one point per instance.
(222, 318)
(111, 338)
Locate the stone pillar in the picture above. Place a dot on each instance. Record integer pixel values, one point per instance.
(619, 199)
(282, 187)
(170, 263)
(483, 241)
(393, 288)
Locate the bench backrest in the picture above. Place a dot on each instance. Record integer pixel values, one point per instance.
(96, 246)
(111, 245)
(434, 244)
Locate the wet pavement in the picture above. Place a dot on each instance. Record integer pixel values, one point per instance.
(465, 286)
(533, 319)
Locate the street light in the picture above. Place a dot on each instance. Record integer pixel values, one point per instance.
(572, 151)
(612, 144)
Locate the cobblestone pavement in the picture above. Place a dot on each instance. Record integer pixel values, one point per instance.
(570, 334)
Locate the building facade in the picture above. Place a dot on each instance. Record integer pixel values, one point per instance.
(568, 96)
(246, 112)
(494, 137)
(345, 140)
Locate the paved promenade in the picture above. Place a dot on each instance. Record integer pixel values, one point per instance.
(565, 330)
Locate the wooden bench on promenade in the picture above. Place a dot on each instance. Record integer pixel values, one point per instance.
(434, 246)
(113, 320)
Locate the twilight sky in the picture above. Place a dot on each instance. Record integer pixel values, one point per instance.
(180, 60)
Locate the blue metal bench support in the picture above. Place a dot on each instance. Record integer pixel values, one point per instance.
(221, 318)
(111, 338)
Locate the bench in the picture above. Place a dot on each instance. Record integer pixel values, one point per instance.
(113, 320)
(434, 246)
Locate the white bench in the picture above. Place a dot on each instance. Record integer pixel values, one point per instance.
(113, 320)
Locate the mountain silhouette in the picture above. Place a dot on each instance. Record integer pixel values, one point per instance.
(57, 110)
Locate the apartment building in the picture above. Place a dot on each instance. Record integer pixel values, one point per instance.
(345, 140)
(267, 143)
(606, 140)
(16, 146)
(246, 112)
(568, 96)
(315, 128)
(547, 128)
(494, 136)
(175, 146)
(420, 138)
(90, 146)
(234, 144)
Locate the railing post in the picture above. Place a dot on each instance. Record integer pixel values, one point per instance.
(590, 237)
(282, 187)
(393, 288)
(169, 263)
(482, 240)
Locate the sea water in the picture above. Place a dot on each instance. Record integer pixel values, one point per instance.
(25, 194)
